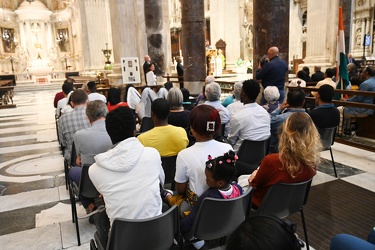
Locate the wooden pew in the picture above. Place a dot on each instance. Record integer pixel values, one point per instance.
(103, 91)
(6, 83)
(9, 80)
(169, 77)
(80, 80)
(6, 96)
(366, 125)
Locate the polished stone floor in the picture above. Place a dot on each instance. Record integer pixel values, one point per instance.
(35, 211)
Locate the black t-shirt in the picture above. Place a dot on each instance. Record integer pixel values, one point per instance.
(325, 117)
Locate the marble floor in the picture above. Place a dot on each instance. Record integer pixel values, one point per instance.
(35, 211)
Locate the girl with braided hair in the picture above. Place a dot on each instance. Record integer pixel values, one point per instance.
(219, 173)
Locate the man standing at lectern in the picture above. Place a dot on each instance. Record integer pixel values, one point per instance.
(273, 73)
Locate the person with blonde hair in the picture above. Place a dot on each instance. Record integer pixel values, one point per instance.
(298, 156)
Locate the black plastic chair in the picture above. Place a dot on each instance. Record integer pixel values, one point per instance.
(327, 136)
(284, 199)
(69, 164)
(157, 233)
(250, 155)
(219, 136)
(169, 167)
(146, 124)
(57, 132)
(253, 152)
(85, 188)
(217, 218)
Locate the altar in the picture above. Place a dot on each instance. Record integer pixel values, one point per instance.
(40, 71)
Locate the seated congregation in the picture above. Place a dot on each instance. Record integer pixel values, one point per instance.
(128, 169)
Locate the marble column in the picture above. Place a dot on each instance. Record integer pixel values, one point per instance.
(322, 26)
(271, 19)
(43, 39)
(93, 33)
(30, 45)
(154, 32)
(22, 35)
(296, 35)
(371, 33)
(193, 37)
(49, 35)
(363, 30)
(225, 23)
(128, 34)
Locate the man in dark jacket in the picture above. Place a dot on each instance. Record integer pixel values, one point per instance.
(273, 73)
(318, 75)
(180, 71)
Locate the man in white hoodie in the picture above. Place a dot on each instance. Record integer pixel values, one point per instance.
(129, 175)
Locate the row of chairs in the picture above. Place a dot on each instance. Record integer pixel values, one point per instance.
(85, 188)
(162, 232)
(277, 195)
(258, 151)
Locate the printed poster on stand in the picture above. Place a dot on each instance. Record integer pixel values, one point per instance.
(130, 70)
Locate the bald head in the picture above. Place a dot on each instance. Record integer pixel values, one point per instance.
(147, 58)
(272, 52)
(209, 79)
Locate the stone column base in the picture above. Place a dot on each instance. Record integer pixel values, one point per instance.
(115, 78)
(194, 87)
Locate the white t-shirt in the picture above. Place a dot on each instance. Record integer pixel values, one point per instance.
(234, 107)
(151, 78)
(97, 96)
(60, 104)
(191, 163)
(252, 122)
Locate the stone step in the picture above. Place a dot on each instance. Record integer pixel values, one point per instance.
(22, 87)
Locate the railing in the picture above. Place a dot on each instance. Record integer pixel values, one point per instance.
(365, 124)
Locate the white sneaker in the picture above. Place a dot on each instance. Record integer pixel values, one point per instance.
(198, 244)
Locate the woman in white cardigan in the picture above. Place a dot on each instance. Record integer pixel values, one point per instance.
(150, 76)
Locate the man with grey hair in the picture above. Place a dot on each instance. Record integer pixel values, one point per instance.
(318, 75)
(213, 93)
(237, 104)
(89, 142)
